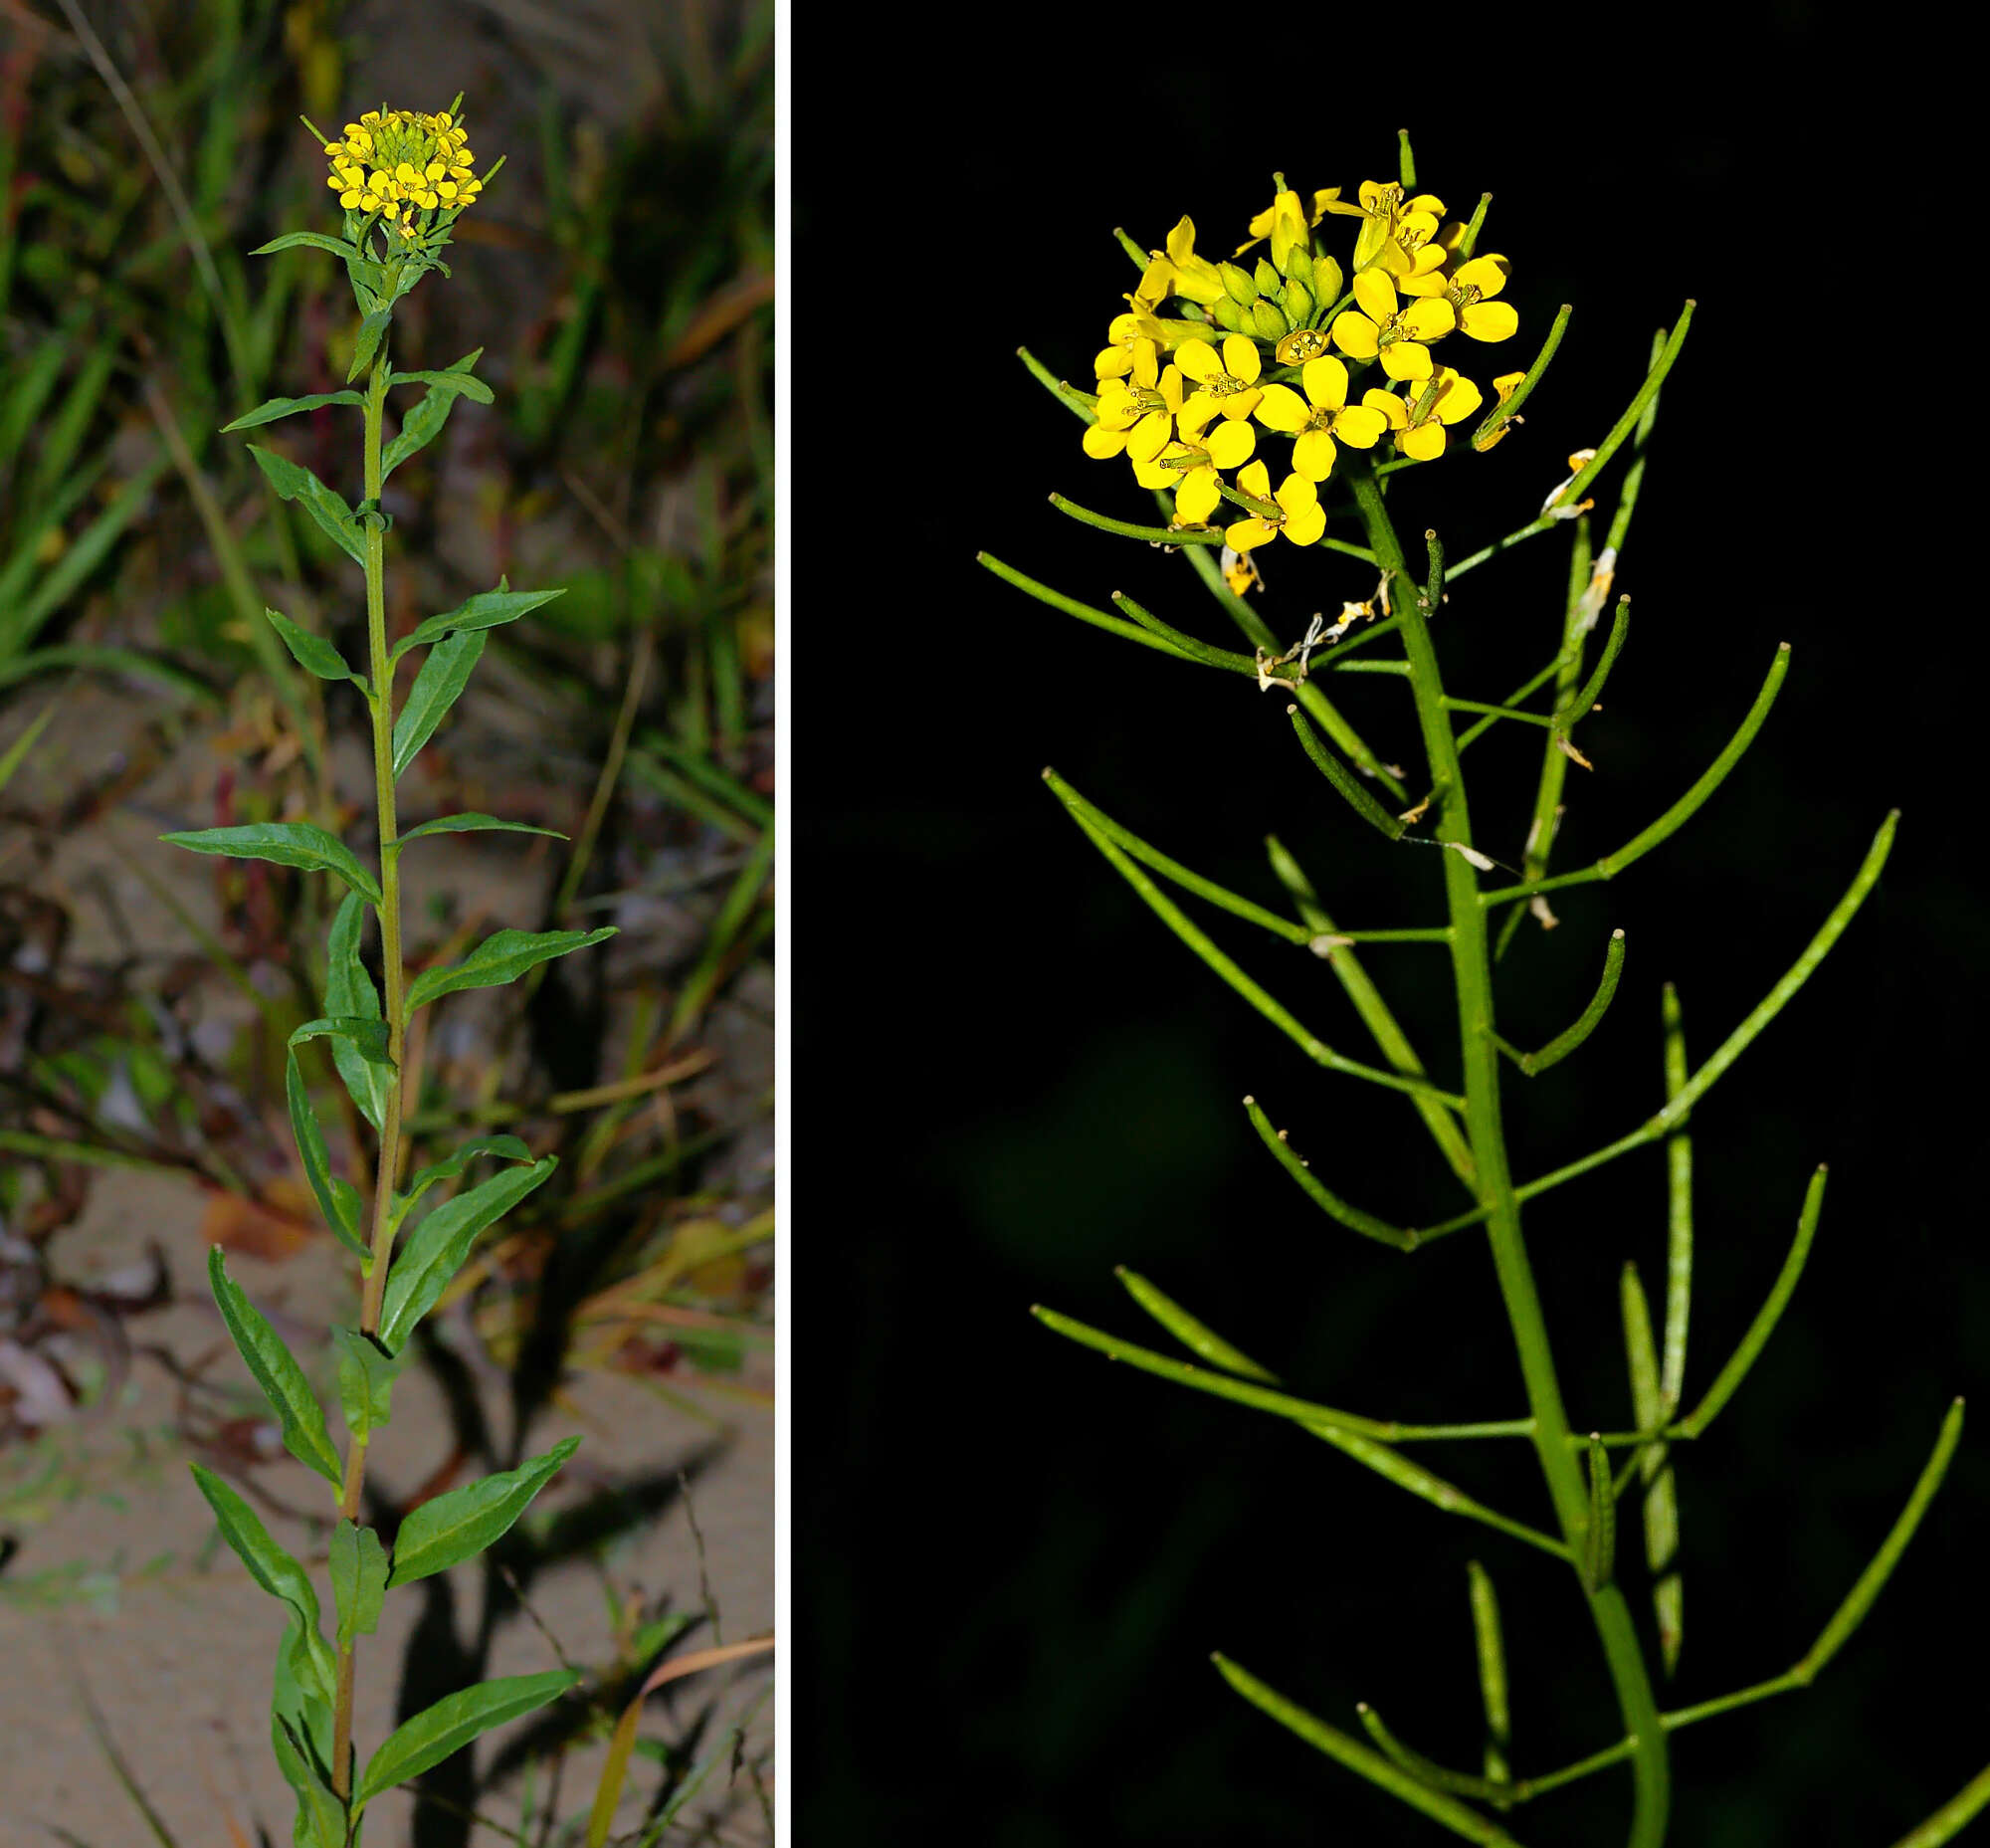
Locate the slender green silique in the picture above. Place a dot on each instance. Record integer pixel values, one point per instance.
(1263, 343)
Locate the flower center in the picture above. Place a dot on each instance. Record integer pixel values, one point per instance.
(1321, 417)
(1224, 385)
(1302, 344)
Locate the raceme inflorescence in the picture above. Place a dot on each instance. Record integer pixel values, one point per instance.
(1263, 397)
(403, 178)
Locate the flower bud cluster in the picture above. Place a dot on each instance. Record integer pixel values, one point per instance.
(1209, 354)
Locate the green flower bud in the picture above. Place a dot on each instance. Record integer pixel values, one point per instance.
(1241, 290)
(1229, 316)
(1298, 266)
(1296, 302)
(1267, 321)
(1268, 279)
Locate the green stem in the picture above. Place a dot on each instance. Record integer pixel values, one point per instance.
(381, 698)
(1473, 976)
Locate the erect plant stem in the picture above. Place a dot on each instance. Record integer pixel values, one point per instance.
(385, 1173)
(1471, 973)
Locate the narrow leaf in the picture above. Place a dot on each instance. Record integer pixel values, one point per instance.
(450, 380)
(273, 408)
(277, 1371)
(288, 843)
(488, 609)
(349, 994)
(501, 957)
(293, 481)
(322, 1817)
(442, 677)
(453, 1527)
(372, 331)
(367, 1377)
(311, 652)
(452, 1723)
(274, 1570)
(440, 1243)
(306, 240)
(472, 823)
(358, 1580)
(422, 424)
(510, 1148)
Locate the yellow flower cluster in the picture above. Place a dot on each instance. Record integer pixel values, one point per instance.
(400, 162)
(1182, 394)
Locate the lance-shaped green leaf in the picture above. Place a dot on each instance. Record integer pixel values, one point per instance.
(501, 957)
(337, 1197)
(1647, 1407)
(488, 609)
(453, 1527)
(288, 843)
(300, 1695)
(1439, 1806)
(1344, 782)
(277, 1573)
(322, 1817)
(306, 240)
(507, 1148)
(269, 411)
(274, 1370)
(1352, 1217)
(1735, 1372)
(435, 1250)
(450, 379)
(358, 1580)
(452, 1723)
(1202, 1342)
(422, 424)
(442, 677)
(349, 994)
(311, 652)
(366, 1376)
(1591, 1017)
(471, 823)
(372, 331)
(293, 481)
(1491, 1650)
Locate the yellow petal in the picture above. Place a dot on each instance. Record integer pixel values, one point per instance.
(1297, 496)
(1459, 399)
(1487, 275)
(1428, 319)
(1387, 406)
(1101, 441)
(1247, 534)
(1354, 333)
(1239, 403)
(1406, 359)
(1426, 202)
(1361, 424)
(1313, 454)
(1230, 444)
(1490, 320)
(1107, 362)
(1425, 441)
(1198, 360)
(1306, 529)
(1196, 499)
(1282, 408)
(1377, 295)
(1256, 480)
(1149, 436)
(1181, 240)
(1325, 383)
(1241, 358)
(1146, 364)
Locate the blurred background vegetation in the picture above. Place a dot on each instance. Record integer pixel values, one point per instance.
(619, 279)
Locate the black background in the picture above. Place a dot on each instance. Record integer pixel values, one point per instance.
(1012, 1558)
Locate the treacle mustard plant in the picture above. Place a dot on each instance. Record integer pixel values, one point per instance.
(403, 178)
(1282, 379)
